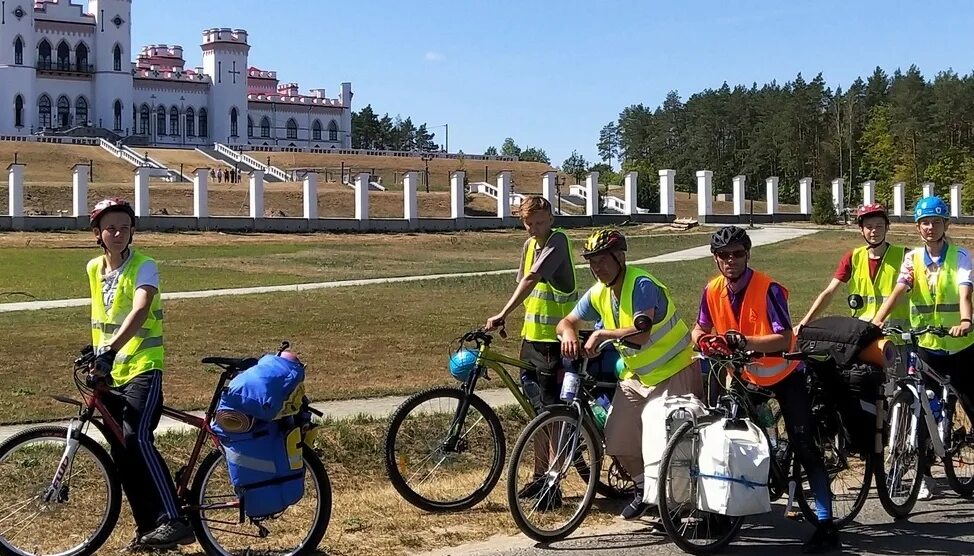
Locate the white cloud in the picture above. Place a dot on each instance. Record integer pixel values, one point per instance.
(432, 56)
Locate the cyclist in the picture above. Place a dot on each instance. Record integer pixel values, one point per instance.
(663, 366)
(126, 333)
(937, 278)
(750, 311)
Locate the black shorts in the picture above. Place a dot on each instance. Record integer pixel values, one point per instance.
(546, 358)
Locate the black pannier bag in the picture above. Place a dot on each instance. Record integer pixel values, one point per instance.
(842, 338)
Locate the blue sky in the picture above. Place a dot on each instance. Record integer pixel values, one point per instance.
(552, 73)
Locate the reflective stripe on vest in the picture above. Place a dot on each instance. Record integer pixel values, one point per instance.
(765, 371)
(545, 306)
(940, 308)
(144, 351)
(668, 351)
(875, 291)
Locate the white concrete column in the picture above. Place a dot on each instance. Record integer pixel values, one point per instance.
(79, 189)
(15, 187)
(142, 191)
(592, 194)
(838, 194)
(899, 198)
(549, 187)
(928, 189)
(868, 192)
(200, 205)
(409, 182)
(630, 184)
(705, 193)
(257, 194)
(311, 195)
(667, 191)
(805, 195)
(504, 194)
(362, 195)
(955, 190)
(456, 194)
(740, 188)
(771, 185)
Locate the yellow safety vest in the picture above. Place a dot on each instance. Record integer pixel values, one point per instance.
(668, 350)
(942, 309)
(545, 306)
(144, 352)
(875, 291)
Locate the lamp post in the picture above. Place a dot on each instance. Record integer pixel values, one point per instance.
(426, 157)
(559, 181)
(446, 135)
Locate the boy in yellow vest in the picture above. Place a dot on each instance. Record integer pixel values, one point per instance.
(126, 333)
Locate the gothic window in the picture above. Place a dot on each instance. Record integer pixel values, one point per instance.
(44, 55)
(233, 122)
(81, 58)
(144, 120)
(81, 111)
(333, 131)
(316, 131)
(19, 51)
(117, 66)
(118, 115)
(63, 56)
(63, 111)
(250, 126)
(44, 111)
(204, 130)
(19, 111)
(190, 122)
(174, 121)
(292, 129)
(161, 120)
(265, 127)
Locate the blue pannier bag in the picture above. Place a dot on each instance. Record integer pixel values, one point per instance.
(271, 389)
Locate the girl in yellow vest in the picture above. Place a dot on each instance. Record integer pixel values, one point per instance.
(937, 280)
(126, 332)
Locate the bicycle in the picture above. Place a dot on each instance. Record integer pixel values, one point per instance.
(699, 532)
(46, 471)
(913, 424)
(438, 455)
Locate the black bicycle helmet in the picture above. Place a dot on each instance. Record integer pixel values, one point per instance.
(602, 241)
(729, 235)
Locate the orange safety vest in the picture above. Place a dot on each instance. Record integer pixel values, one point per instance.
(765, 371)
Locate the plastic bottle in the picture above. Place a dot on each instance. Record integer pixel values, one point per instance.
(935, 406)
(569, 387)
(532, 390)
(600, 410)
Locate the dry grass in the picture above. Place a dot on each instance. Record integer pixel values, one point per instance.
(49, 163)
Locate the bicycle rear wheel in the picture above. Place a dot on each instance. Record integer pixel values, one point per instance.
(78, 518)
(692, 529)
(435, 470)
(899, 475)
(959, 462)
(295, 532)
(850, 477)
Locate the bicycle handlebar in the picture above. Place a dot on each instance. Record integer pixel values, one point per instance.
(910, 334)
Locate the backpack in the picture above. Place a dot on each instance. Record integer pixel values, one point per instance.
(854, 391)
(841, 338)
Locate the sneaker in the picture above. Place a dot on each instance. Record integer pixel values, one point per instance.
(824, 539)
(636, 508)
(135, 545)
(169, 534)
(532, 488)
(927, 488)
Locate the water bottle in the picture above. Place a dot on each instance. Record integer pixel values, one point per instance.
(532, 390)
(935, 406)
(600, 410)
(569, 387)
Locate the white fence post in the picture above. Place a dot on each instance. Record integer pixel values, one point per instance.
(200, 205)
(928, 189)
(740, 188)
(705, 194)
(631, 187)
(549, 188)
(504, 194)
(771, 185)
(257, 194)
(142, 191)
(805, 195)
(409, 181)
(15, 186)
(79, 189)
(868, 192)
(311, 196)
(838, 194)
(899, 198)
(362, 196)
(457, 194)
(592, 194)
(667, 191)
(955, 190)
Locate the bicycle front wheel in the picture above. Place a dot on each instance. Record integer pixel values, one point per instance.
(900, 474)
(439, 459)
(296, 531)
(959, 463)
(74, 520)
(553, 473)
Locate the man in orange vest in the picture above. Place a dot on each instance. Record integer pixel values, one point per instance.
(751, 311)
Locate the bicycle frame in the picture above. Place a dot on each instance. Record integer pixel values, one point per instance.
(490, 359)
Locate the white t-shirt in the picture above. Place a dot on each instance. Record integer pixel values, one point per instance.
(932, 272)
(148, 275)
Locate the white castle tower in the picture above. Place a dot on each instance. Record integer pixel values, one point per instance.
(17, 70)
(113, 66)
(225, 61)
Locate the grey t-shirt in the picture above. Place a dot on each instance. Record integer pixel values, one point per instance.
(552, 261)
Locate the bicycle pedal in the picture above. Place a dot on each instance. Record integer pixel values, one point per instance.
(794, 516)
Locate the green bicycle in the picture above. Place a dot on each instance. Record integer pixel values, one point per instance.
(445, 447)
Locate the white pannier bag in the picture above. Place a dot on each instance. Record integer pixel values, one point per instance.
(659, 414)
(733, 467)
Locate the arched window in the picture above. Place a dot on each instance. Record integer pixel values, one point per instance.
(81, 111)
(44, 111)
(292, 129)
(44, 55)
(190, 122)
(117, 66)
(63, 56)
(118, 115)
(19, 51)
(81, 58)
(204, 130)
(233, 122)
(333, 131)
(19, 111)
(316, 130)
(161, 120)
(63, 111)
(250, 126)
(174, 121)
(265, 127)
(144, 120)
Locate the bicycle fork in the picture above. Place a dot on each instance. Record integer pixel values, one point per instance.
(54, 492)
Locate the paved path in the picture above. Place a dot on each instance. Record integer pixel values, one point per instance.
(761, 236)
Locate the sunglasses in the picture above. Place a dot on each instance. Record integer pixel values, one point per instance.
(728, 255)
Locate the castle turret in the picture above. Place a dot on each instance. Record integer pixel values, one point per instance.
(17, 70)
(113, 64)
(225, 54)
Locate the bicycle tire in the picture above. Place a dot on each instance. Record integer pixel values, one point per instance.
(901, 510)
(589, 436)
(215, 459)
(857, 504)
(401, 483)
(963, 486)
(101, 457)
(614, 482)
(731, 525)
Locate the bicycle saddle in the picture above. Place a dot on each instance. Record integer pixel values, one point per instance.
(230, 363)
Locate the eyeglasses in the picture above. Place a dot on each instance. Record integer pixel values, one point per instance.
(728, 255)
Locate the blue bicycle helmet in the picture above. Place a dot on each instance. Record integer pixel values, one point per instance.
(462, 363)
(931, 206)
